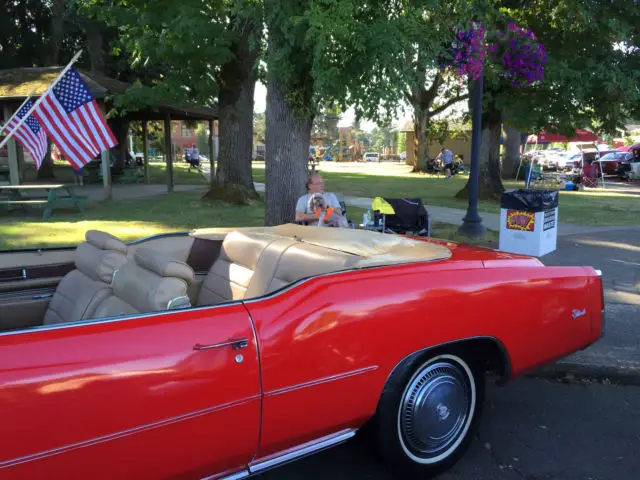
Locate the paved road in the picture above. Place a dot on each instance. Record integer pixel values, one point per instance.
(532, 429)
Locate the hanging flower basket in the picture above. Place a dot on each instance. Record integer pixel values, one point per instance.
(467, 53)
(520, 58)
(515, 55)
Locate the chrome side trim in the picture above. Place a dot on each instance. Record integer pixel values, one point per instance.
(260, 382)
(124, 433)
(159, 235)
(42, 297)
(235, 476)
(34, 291)
(319, 381)
(303, 450)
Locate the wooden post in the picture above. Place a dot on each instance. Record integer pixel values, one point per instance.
(106, 174)
(168, 152)
(145, 152)
(105, 158)
(211, 153)
(12, 148)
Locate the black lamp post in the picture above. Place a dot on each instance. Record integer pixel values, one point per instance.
(472, 222)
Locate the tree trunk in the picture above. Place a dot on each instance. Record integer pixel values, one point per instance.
(233, 181)
(95, 47)
(45, 172)
(489, 182)
(287, 153)
(511, 158)
(119, 128)
(421, 127)
(56, 31)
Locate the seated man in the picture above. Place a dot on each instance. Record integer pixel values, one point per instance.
(315, 184)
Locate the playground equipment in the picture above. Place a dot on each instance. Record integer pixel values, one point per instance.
(348, 148)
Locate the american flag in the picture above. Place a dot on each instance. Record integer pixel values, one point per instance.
(72, 119)
(30, 134)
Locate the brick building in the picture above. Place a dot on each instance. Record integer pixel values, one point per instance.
(182, 136)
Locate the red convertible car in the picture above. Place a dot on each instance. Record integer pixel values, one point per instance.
(221, 353)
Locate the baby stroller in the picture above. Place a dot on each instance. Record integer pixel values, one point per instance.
(401, 215)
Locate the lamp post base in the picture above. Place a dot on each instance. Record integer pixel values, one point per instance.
(472, 226)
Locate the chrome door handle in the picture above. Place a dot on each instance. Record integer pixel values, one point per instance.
(236, 344)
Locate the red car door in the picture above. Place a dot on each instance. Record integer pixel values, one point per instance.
(172, 395)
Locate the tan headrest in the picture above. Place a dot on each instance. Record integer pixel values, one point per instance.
(245, 248)
(148, 290)
(105, 241)
(163, 265)
(96, 263)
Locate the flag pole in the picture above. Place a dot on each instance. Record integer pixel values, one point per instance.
(16, 111)
(55, 82)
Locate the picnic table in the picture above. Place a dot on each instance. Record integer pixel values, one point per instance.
(27, 196)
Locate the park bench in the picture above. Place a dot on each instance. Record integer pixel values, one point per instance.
(21, 196)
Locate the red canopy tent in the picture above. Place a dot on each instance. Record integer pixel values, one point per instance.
(580, 136)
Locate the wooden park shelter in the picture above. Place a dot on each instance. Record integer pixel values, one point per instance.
(18, 83)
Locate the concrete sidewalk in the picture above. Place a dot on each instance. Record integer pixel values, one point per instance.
(489, 220)
(95, 193)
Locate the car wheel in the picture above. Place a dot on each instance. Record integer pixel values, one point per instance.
(428, 413)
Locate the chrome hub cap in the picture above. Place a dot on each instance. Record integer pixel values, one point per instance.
(435, 410)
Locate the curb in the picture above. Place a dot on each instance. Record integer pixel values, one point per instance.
(569, 371)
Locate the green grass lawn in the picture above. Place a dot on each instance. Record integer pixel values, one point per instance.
(183, 211)
(128, 220)
(582, 208)
(131, 220)
(181, 174)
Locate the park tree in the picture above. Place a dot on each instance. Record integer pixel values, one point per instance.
(259, 128)
(325, 124)
(343, 53)
(590, 76)
(386, 55)
(291, 106)
(512, 146)
(208, 53)
(25, 32)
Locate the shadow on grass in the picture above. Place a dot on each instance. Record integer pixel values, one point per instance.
(128, 220)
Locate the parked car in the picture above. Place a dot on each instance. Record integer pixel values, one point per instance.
(223, 353)
(629, 168)
(611, 161)
(371, 157)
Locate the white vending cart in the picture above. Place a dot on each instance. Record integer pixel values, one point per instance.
(529, 222)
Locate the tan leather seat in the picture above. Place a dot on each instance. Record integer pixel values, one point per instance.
(150, 282)
(304, 260)
(231, 274)
(254, 264)
(82, 289)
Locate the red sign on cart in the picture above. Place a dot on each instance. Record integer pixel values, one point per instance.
(520, 220)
